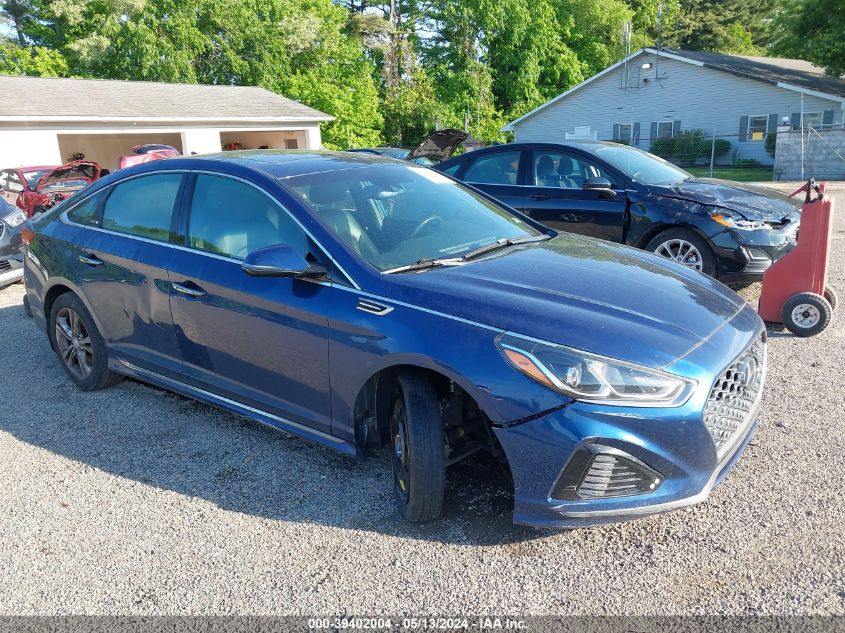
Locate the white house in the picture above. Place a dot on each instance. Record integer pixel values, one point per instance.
(655, 94)
(46, 121)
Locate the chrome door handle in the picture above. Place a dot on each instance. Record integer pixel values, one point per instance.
(91, 260)
(187, 290)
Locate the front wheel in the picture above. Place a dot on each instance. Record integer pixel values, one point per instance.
(806, 314)
(417, 449)
(685, 247)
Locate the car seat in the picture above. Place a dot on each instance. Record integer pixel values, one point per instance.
(327, 200)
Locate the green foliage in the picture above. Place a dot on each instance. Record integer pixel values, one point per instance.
(771, 143)
(813, 30)
(747, 162)
(689, 147)
(35, 61)
(739, 27)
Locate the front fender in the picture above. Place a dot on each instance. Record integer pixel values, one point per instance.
(362, 344)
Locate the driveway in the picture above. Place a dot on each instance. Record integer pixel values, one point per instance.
(138, 501)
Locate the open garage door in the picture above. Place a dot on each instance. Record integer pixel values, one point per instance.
(286, 139)
(107, 148)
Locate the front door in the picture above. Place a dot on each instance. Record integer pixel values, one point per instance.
(261, 341)
(555, 196)
(121, 256)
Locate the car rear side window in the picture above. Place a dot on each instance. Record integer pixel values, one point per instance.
(143, 206)
(232, 218)
(501, 168)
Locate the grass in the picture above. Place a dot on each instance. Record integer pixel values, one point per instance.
(742, 174)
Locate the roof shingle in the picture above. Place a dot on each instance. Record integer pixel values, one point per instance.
(39, 97)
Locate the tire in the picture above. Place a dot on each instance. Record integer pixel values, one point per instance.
(84, 361)
(806, 314)
(830, 295)
(685, 247)
(417, 448)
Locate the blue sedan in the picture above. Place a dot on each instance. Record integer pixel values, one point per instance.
(357, 300)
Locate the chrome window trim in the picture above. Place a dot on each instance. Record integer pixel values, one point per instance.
(64, 218)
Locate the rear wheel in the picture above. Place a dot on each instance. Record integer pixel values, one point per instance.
(685, 247)
(78, 345)
(830, 295)
(806, 314)
(417, 449)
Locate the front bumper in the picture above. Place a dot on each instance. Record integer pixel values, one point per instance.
(743, 256)
(673, 443)
(11, 270)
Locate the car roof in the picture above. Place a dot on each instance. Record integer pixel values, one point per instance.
(274, 163)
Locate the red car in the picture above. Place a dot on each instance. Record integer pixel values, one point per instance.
(35, 189)
(19, 183)
(146, 154)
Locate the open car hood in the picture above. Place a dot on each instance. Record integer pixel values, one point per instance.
(439, 145)
(84, 170)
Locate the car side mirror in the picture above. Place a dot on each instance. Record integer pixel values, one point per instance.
(600, 185)
(281, 260)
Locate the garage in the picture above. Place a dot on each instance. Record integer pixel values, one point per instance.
(263, 139)
(105, 148)
(49, 120)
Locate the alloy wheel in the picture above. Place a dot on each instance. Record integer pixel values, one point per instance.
(399, 453)
(682, 252)
(74, 343)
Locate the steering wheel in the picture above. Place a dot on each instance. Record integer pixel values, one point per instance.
(429, 221)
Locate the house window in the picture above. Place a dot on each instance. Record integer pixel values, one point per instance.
(625, 133)
(665, 129)
(812, 119)
(757, 126)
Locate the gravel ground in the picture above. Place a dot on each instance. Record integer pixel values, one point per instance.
(137, 501)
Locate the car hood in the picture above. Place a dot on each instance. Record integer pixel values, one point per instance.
(78, 170)
(439, 145)
(753, 202)
(588, 294)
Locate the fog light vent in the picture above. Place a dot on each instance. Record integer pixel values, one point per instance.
(612, 475)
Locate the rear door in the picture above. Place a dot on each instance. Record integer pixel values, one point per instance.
(121, 256)
(497, 174)
(555, 196)
(261, 341)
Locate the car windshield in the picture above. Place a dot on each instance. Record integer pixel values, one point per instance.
(32, 177)
(397, 215)
(641, 166)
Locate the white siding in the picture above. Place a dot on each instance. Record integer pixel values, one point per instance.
(698, 97)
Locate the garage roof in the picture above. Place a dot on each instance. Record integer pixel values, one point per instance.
(52, 98)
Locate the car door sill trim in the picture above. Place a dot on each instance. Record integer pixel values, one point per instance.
(259, 415)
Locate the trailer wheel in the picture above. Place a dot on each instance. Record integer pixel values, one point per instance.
(830, 295)
(806, 314)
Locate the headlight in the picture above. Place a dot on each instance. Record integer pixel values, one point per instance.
(734, 220)
(591, 378)
(15, 218)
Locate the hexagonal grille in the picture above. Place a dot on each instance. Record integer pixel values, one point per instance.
(734, 397)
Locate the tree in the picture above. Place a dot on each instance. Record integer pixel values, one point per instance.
(33, 61)
(724, 26)
(813, 30)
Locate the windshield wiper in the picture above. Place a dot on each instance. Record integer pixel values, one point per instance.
(422, 264)
(503, 243)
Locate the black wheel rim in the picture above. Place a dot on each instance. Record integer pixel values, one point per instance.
(399, 450)
(74, 343)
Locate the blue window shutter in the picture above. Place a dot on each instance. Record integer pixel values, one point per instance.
(616, 132)
(827, 117)
(653, 131)
(796, 120)
(743, 128)
(676, 128)
(635, 140)
(772, 125)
